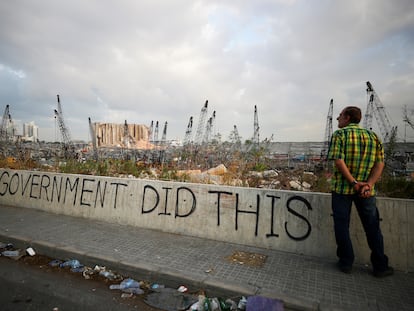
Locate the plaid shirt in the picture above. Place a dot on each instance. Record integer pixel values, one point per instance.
(360, 149)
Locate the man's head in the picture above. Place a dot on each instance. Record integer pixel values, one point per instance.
(350, 114)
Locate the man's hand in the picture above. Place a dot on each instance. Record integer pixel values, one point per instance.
(364, 190)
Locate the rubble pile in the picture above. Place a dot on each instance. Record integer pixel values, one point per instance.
(268, 179)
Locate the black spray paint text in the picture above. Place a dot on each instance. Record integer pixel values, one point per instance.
(90, 192)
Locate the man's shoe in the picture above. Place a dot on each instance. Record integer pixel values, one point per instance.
(382, 274)
(344, 269)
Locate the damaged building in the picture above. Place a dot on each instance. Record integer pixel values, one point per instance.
(122, 135)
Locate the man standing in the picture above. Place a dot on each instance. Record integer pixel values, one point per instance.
(358, 156)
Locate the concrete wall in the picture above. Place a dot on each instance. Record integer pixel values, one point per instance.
(298, 222)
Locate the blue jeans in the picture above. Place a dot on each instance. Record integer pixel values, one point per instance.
(368, 213)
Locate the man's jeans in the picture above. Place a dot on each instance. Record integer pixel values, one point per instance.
(368, 213)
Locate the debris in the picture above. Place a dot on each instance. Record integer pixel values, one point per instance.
(126, 295)
(30, 251)
(213, 304)
(88, 272)
(6, 246)
(250, 259)
(109, 275)
(159, 296)
(129, 286)
(170, 299)
(232, 304)
(73, 263)
(242, 303)
(182, 289)
(14, 254)
(295, 185)
(218, 170)
(270, 174)
(127, 283)
(11, 253)
(306, 185)
(99, 268)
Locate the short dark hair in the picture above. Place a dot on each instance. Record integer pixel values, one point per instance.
(354, 114)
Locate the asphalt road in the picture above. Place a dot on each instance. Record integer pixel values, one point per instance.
(37, 287)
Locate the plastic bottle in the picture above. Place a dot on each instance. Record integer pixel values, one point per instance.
(214, 304)
(203, 303)
(15, 253)
(200, 305)
(127, 283)
(74, 263)
(108, 274)
(242, 303)
(231, 304)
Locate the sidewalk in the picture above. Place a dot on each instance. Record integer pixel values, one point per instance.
(302, 282)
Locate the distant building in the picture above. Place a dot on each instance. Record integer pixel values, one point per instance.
(30, 132)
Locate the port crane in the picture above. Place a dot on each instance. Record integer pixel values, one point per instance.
(256, 127)
(328, 132)
(155, 139)
(201, 124)
(377, 109)
(255, 140)
(67, 145)
(161, 157)
(209, 128)
(207, 132)
(407, 119)
(4, 136)
(151, 131)
(212, 125)
(188, 132)
(164, 134)
(93, 137)
(234, 137)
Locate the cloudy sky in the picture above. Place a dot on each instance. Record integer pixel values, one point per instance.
(154, 60)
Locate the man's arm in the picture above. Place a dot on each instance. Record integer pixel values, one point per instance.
(375, 173)
(344, 170)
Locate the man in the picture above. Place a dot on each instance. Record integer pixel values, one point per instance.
(358, 156)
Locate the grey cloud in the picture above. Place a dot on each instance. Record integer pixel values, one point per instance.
(158, 60)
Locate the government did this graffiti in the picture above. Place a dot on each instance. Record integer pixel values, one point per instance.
(159, 198)
(58, 188)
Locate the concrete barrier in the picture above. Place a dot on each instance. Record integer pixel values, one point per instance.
(297, 222)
